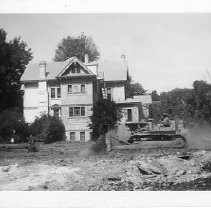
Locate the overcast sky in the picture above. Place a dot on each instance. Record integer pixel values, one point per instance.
(164, 51)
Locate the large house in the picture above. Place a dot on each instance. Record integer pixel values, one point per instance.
(70, 88)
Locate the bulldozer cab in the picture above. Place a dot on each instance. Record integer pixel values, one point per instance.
(163, 126)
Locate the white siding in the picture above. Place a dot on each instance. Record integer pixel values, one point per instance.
(77, 98)
(31, 114)
(145, 111)
(77, 135)
(135, 114)
(31, 95)
(118, 93)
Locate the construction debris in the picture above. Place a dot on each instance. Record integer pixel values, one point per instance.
(69, 167)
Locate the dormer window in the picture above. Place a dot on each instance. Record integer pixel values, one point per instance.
(76, 70)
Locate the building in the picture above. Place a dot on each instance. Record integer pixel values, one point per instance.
(69, 90)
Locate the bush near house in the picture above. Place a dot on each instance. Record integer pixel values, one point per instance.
(48, 129)
(13, 125)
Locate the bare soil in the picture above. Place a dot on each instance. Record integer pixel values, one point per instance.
(73, 166)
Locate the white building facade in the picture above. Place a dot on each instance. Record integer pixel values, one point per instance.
(69, 90)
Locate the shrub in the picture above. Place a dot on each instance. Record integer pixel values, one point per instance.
(22, 131)
(13, 125)
(55, 130)
(39, 125)
(48, 129)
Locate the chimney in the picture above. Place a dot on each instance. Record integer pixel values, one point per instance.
(42, 68)
(86, 59)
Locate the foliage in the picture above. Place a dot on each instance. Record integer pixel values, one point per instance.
(76, 46)
(14, 56)
(192, 105)
(48, 129)
(155, 96)
(133, 89)
(39, 125)
(13, 125)
(105, 115)
(201, 103)
(55, 130)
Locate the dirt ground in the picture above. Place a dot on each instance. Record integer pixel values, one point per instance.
(72, 166)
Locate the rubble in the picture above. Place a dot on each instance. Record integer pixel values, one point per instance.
(153, 169)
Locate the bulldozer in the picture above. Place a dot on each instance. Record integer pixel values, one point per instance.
(147, 130)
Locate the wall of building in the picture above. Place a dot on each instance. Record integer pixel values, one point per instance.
(43, 97)
(30, 114)
(118, 93)
(77, 124)
(80, 123)
(31, 101)
(31, 95)
(135, 114)
(53, 101)
(77, 98)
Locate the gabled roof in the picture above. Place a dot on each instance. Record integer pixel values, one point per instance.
(114, 70)
(53, 70)
(69, 63)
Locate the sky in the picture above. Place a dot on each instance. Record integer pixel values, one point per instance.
(164, 51)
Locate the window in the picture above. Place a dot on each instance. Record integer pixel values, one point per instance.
(76, 111)
(78, 70)
(82, 136)
(82, 111)
(72, 136)
(83, 88)
(70, 89)
(56, 112)
(56, 92)
(76, 88)
(53, 93)
(109, 93)
(129, 115)
(71, 111)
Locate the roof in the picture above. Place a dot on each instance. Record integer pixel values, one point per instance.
(52, 68)
(71, 60)
(144, 99)
(113, 70)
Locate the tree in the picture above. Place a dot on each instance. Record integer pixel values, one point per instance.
(76, 46)
(133, 89)
(201, 102)
(14, 56)
(105, 115)
(155, 96)
(13, 125)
